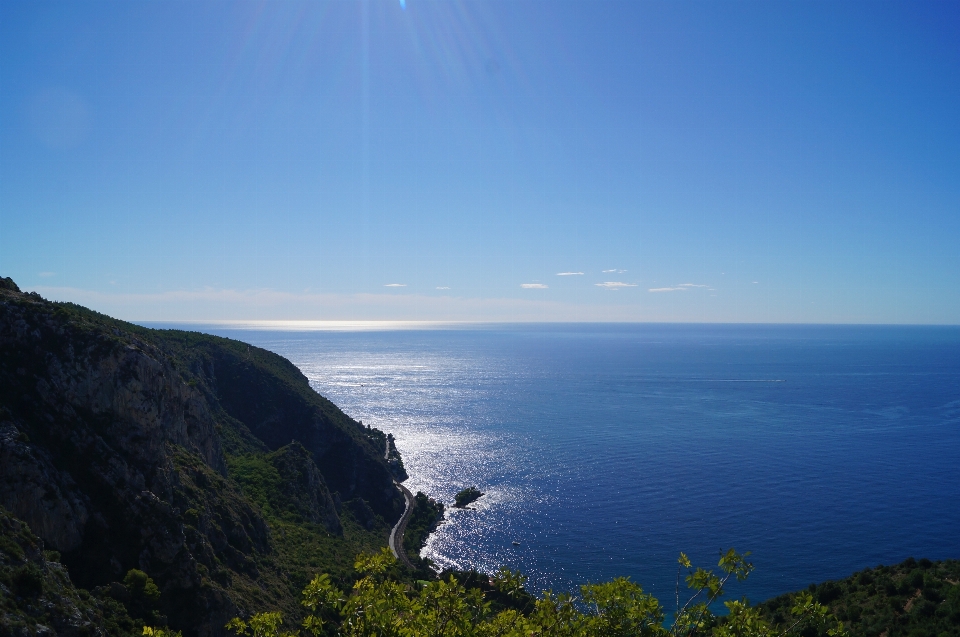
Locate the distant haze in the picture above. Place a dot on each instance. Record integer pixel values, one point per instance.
(484, 161)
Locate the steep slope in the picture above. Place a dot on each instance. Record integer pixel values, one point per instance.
(37, 596)
(914, 598)
(114, 448)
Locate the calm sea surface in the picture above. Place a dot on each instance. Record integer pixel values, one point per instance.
(607, 449)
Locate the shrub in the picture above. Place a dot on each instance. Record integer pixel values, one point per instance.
(379, 606)
(141, 585)
(28, 581)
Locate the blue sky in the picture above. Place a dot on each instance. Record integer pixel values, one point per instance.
(717, 161)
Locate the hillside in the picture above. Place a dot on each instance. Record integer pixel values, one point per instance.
(206, 463)
(916, 598)
(164, 477)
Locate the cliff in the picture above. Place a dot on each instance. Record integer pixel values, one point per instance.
(37, 597)
(190, 457)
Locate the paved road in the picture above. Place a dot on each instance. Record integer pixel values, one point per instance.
(396, 533)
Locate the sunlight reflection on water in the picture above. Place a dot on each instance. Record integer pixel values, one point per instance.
(603, 451)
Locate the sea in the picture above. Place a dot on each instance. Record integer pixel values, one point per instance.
(604, 450)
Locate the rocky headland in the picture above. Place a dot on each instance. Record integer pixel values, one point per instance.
(207, 464)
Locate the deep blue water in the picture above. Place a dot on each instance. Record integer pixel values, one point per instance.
(607, 449)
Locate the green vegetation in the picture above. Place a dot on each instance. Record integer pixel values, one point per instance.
(914, 598)
(427, 514)
(466, 496)
(379, 606)
(36, 593)
(176, 492)
(139, 595)
(149, 631)
(209, 466)
(302, 538)
(303, 545)
(516, 598)
(394, 461)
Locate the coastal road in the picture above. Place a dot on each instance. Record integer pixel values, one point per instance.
(396, 533)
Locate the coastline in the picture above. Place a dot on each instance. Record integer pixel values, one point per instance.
(395, 542)
(401, 525)
(493, 403)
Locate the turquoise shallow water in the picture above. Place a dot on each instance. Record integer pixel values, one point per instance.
(606, 449)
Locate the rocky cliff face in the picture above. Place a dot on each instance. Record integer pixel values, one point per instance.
(37, 596)
(113, 443)
(306, 493)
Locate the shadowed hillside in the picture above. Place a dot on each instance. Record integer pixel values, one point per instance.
(208, 464)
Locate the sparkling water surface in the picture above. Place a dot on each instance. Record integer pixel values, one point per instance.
(604, 450)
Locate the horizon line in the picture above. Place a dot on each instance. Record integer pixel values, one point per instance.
(299, 325)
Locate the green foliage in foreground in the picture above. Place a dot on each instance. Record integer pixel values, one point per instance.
(378, 606)
(160, 632)
(916, 598)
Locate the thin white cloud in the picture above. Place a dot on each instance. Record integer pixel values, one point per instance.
(614, 270)
(756, 281)
(569, 273)
(615, 285)
(533, 286)
(46, 274)
(316, 310)
(681, 287)
(443, 287)
(395, 285)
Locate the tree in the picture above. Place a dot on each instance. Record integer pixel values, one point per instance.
(377, 606)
